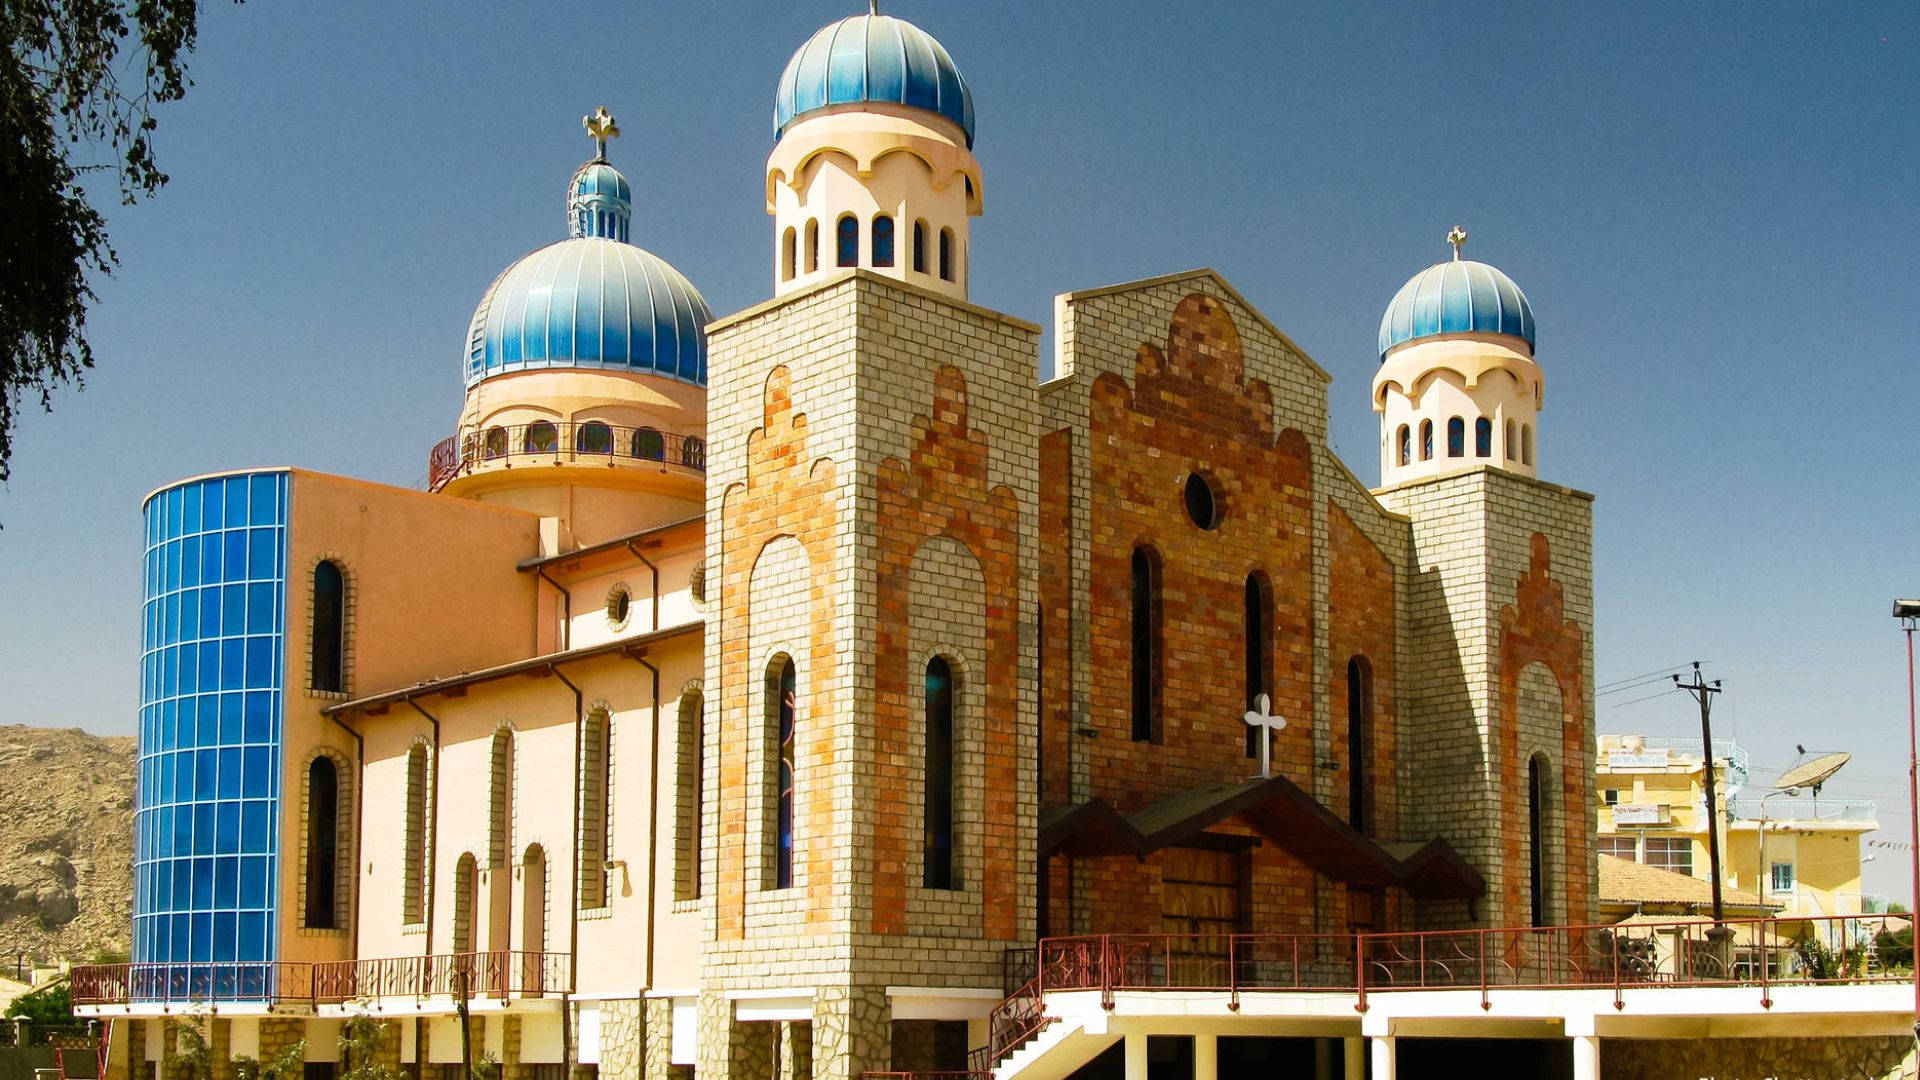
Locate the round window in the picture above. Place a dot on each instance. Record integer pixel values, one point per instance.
(1203, 502)
(619, 603)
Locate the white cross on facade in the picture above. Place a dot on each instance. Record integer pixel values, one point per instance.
(1266, 723)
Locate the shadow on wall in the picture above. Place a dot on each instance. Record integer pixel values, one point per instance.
(1437, 699)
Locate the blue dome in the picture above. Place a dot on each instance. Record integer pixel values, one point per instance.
(592, 300)
(1457, 297)
(872, 58)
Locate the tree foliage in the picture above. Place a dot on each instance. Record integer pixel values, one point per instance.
(78, 83)
(361, 1039)
(49, 1005)
(289, 1064)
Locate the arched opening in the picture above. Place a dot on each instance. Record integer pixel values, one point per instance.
(499, 837)
(596, 807)
(1537, 773)
(466, 897)
(1456, 437)
(1526, 444)
(813, 245)
(946, 254)
(846, 244)
(329, 646)
(496, 442)
(323, 844)
(1404, 440)
(693, 452)
(1257, 633)
(593, 437)
(649, 445)
(533, 907)
(1426, 440)
(1512, 449)
(542, 437)
(937, 851)
(920, 246)
(782, 693)
(1483, 437)
(1145, 595)
(882, 240)
(414, 837)
(788, 254)
(1360, 744)
(691, 760)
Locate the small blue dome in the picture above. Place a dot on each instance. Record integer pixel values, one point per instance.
(1457, 297)
(592, 300)
(872, 58)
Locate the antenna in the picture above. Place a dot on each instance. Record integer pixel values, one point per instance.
(1813, 773)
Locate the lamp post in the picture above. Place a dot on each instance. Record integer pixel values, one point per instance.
(1908, 612)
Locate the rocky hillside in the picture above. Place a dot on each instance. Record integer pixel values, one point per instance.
(66, 843)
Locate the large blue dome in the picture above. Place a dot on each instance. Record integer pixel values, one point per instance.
(592, 300)
(1461, 296)
(872, 58)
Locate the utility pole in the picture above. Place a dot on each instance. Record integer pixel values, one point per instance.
(1703, 693)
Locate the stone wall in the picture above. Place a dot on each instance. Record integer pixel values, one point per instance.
(1888, 1057)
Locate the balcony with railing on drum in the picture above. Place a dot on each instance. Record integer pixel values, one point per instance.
(195, 984)
(499, 975)
(591, 443)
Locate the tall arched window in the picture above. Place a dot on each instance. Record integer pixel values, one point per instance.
(691, 760)
(1456, 438)
(1526, 444)
(946, 254)
(883, 241)
(1537, 771)
(1257, 634)
(649, 445)
(596, 807)
(937, 848)
(1483, 437)
(533, 908)
(813, 245)
(847, 240)
(465, 889)
(1145, 596)
(542, 437)
(1426, 440)
(782, 703)
(920, 246)
(789, 255)
(413, 890)
(1513, 443)
(496, 442)
(1405, 441)
(329, 627)
(499, 798)
(594, 437)
(1360, 744)
(323, 844)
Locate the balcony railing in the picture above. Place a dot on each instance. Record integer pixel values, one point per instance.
(1745, 811)
(549, 442)
(499, 974)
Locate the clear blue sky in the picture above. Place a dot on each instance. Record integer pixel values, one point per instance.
(1715, 210)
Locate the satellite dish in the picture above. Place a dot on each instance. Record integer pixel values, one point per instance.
(1812, 774)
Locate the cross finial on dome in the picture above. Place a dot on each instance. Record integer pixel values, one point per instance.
(873, 7)
(1457, 238)
(600, 126)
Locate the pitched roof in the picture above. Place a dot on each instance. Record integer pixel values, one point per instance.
(1623, 881)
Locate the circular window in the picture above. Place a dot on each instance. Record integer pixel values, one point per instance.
(619, 603)
(1203, 502)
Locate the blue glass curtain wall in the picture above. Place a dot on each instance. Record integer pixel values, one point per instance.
(207, 804)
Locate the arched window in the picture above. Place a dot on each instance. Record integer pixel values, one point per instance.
(329, 646)
(782, 700)
(788, 254)
(937, 850)
(413, 890)
(542, 437)
(1257, 634)
(813, 245)
(1483, 437)
(1360, 744)
(533, 913)
(1426, 440)
(883, 241)
(847, 240)
(920, 246)
(1513, 443)
(946, 254)
(1146, 645)
(690, 759)
(649, 445)
(1537, 792)
(1526, 444)
(693, 452)
(465, 888)
(500, 798)
(1405, 441)
(596, 807)
(593, 437)
(1456, 438)
(323, 844)
(496, 442)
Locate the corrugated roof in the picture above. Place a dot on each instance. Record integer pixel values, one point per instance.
(1623, 881)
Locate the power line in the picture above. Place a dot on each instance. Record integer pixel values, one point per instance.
(1661, 672)
(1638, 700)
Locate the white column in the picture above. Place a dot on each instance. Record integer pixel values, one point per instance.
(1206, 1057)
(1384, 1053)
(1136, 1056)
(1586, 1057)
(1356, 1049)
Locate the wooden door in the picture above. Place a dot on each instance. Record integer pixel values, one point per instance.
(1200, 910)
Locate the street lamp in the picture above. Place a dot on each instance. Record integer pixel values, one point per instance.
(1908, 612)
(1761, 874)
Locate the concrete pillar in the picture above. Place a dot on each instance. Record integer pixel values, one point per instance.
(1385, 1058)
(852, 1032)
(1206, 1057)
(1586, 1057)
(656, 1044)
(1136, 1050)
(1323, 1059)
(1356, 1057)
(729, 1049)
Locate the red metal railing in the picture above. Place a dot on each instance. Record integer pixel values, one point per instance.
(546, 442)
(209, 983)
(498, 974)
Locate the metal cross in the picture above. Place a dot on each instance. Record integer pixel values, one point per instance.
(1457, 238)
(600, 126)
(1262, 720)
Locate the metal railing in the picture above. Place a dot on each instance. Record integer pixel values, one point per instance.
(1746, 811)
(498, 974)
(548, 442)
(201, 983)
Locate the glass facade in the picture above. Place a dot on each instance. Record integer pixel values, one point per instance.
(206, 849)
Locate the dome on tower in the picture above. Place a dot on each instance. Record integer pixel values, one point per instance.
(1457, 297)
(872, 58)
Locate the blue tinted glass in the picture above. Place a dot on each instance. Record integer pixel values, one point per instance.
(261, 504)
(206, 778)
(203, 820)
(209, 666)
(169, 672)
(260, 545)
(170, 618)
(256, 820)
(230, 731)
(226, 881)
(252, 938)
(258, 779)
(259, 717)
(230, 789)
(223, 931)
(182, 892)
(233, 557)
(190, 508)
(206, 721)
(202, 884)
(210, 546)
(189, 605)
(260, 607)
(173, 512)
(259, 661)
(236, 500)
(201, 949)
(210, 607)
(233, 658)
(170, 564)
(253, 882)
(190, 561)
(213, 506)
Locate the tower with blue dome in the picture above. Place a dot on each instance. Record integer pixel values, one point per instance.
(872, 165)
(1458, 386)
